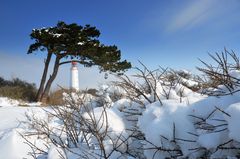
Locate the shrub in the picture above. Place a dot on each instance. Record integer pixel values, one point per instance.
(221, 78)
(56, 97)
(17, 89)
(83, 130)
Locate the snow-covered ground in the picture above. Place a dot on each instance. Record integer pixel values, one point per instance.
(12, 115)
(185, 125)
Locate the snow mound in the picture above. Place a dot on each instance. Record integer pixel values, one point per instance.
(4, 101)
(12, 146)
(233, 119)
(114, 120)
(162, 124)
(114, 124)
(56, 153)
(211, 123)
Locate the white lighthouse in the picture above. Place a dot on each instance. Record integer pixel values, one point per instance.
(74, 77)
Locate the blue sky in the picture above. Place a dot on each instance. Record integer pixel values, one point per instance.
(169, 33)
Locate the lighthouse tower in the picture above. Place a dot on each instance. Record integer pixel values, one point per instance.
(74, 77)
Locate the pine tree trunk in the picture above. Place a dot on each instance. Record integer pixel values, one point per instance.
(44, 76)
(50, 80)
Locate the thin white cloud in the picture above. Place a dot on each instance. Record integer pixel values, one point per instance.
(193, 14)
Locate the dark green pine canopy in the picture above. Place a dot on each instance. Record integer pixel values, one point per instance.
(78, 43)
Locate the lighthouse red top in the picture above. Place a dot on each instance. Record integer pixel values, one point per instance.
(74, 63)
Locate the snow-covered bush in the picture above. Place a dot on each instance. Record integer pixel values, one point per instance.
(80, 128)
(113, 91)
(153, 114)
(148, 86)
(203, 128)
(163, 91)
(224, 78)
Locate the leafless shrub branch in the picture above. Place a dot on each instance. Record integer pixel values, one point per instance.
(79, 127)
(221, 74)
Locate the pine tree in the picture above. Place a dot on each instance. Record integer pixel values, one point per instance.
(73, 42)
